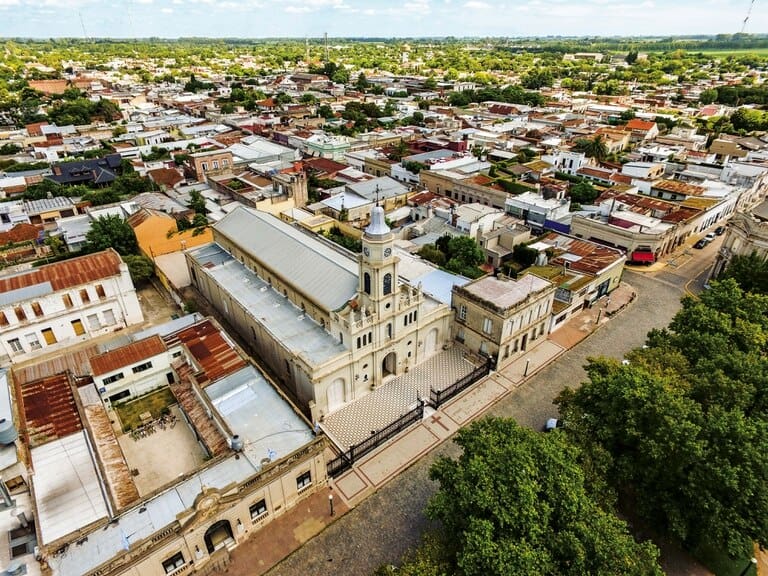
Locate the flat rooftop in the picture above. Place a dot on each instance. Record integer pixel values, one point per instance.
(68, 493)
(505, 293)
(271, 309)
(266, 423)
(142, 522)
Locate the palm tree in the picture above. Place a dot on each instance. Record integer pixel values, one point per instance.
(593, 147)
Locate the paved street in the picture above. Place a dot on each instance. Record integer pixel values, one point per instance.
(390, 521)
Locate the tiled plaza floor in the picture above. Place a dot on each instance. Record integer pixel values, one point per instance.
(355, 422)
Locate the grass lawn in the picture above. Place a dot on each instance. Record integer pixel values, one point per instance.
(721, 564)
(154, 403)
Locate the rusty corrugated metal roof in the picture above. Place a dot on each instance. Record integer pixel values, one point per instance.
(48, 409)
(66, 274)
(215, 356)
(126, 355)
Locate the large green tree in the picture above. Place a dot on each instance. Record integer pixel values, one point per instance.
(140, 267)
(750, 271)
(112, 232)
(683, 427)
(515, 502)
(583, 192)
(593, 147)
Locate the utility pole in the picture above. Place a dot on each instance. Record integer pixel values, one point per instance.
(306, 57)
(326, 47)
(82, 25)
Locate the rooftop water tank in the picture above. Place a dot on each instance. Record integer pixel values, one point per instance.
(236, 443)
(8, 432)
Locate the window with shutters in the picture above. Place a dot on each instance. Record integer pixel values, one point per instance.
(3, 319)
(173, 563)
(93, 322)
(37, 309)
(77, 327)
(109, 317)
(67, 299)
(33, 342)
(15, 345)
(49, 336)
(258, 510)
(100, 291)
(20, 314)
(84, 296)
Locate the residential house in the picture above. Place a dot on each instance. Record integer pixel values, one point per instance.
(642, 130)
(537, 211)
(210, 162)
(582, 271)
(99, 171)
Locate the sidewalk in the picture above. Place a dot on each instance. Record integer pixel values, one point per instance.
(287, 533)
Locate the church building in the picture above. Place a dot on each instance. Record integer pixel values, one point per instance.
(330, 326)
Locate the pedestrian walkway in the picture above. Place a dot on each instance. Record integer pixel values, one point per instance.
(373, 471)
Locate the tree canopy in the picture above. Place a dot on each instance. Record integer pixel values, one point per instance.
(683, 427)
(750, 272)
(459, 254)
(515, 502)
(112, 231)
(583, 192)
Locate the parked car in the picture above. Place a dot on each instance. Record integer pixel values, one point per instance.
(701, 243)
(709, 237)
(720, 230)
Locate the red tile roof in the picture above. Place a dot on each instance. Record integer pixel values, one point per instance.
(166, 177)
(637, 124)
(68, 273)
(325, 165)
(19, 233)
(127, 355)
(212, 352)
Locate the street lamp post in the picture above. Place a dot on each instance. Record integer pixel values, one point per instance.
(330, 502)
(527, 363)
(752, 562)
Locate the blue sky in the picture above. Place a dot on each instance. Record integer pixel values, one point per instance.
(382, 18)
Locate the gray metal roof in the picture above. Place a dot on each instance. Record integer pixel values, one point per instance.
(322, 274)
(26, 293)
(289, 325)
(383, 187)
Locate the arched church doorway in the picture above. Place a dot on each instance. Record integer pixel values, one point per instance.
(218, 536)
(389, 365)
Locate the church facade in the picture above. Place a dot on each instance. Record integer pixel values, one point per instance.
(330, 326)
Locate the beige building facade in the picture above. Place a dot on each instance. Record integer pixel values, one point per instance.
(500, 318)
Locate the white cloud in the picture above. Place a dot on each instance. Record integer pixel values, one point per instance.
(167, 10)
(476, 5)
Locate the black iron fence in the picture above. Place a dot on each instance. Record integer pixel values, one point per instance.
(440, 397)
(344, 461)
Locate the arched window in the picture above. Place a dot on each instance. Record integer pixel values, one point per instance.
(367, 283)
(387, 284)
